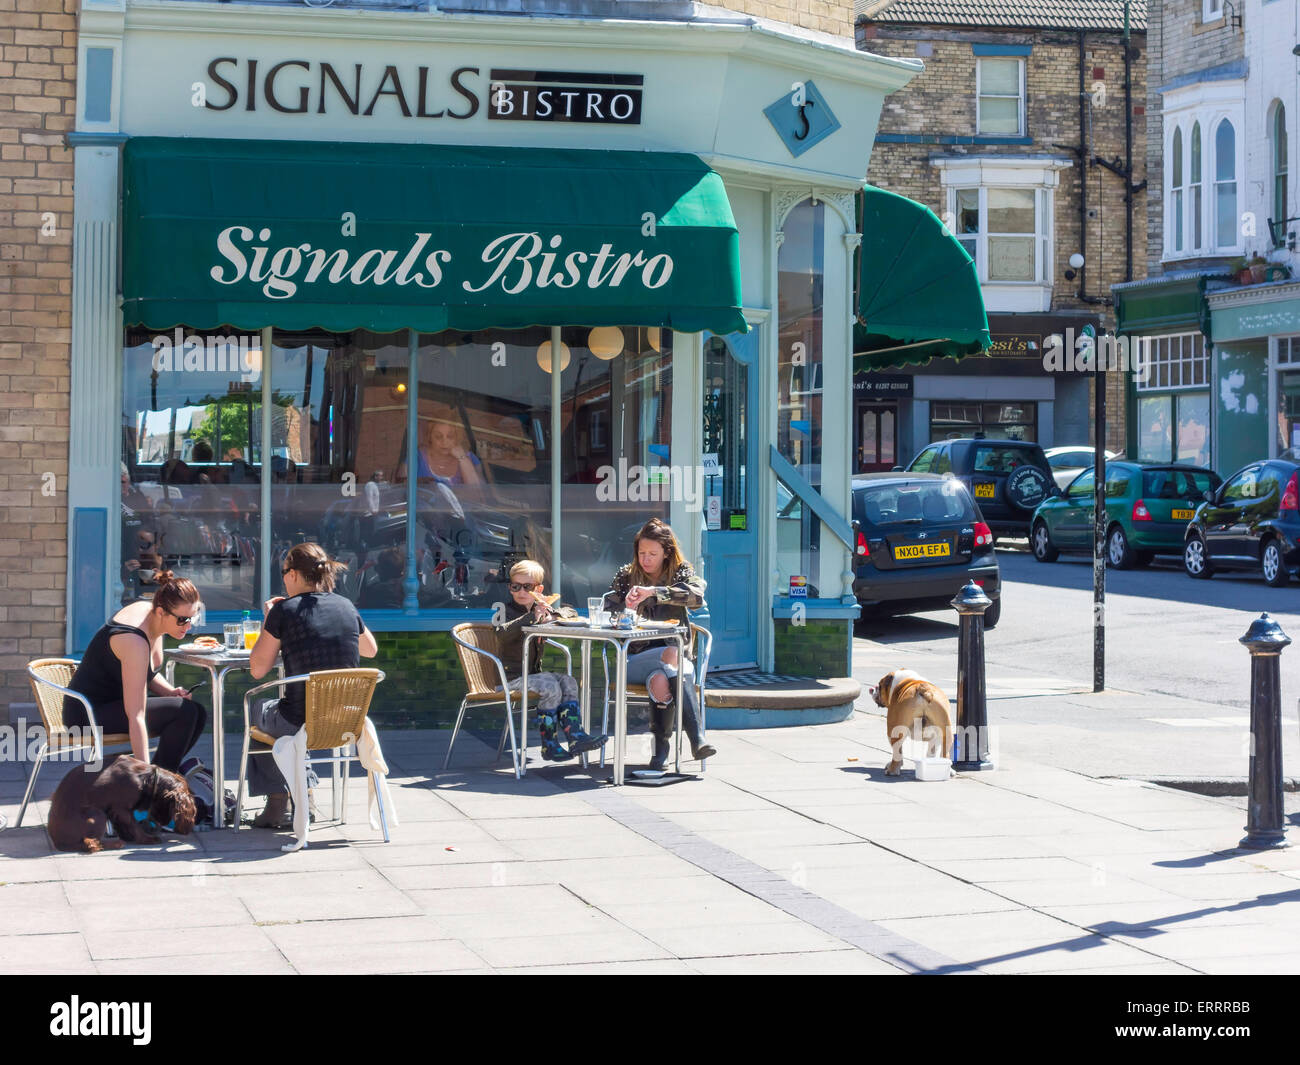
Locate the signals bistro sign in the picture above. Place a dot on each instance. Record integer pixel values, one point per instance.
(300, 87)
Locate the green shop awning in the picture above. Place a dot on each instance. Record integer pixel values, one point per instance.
(918, 291)
(343, 236)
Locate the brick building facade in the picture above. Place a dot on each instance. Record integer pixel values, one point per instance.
(38, 42)
(1072, 122)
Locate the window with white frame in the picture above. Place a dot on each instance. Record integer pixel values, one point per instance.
(1211, 10)
(1000, 96)
(1007, 231)
(1204, 163)
(1177, 360)
(1279, 153)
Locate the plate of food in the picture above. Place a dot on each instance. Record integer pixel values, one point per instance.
(204, 645)
(573, 623)
(650, 623)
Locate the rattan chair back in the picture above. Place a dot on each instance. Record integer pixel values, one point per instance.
(337, 703)
(480, 673)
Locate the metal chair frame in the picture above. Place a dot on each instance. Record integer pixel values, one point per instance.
(640, 693)
(506, 700)
(97, 739)
(339, 757)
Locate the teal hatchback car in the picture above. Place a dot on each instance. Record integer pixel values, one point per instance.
(1148, 507)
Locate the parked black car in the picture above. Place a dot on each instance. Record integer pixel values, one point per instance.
(1251, 520)
(920, 538)
(1007, 478)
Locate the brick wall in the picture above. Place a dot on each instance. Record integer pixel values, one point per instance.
(37, 101)
(941, 102)
(828, 16)
(813, 649)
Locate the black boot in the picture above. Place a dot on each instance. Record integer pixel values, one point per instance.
(700, 749)
(661, 727)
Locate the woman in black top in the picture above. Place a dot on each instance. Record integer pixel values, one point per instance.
(119, 675)
(314, 629)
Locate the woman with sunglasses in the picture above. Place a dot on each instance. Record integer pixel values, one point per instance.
(314, 628)
(119, 674)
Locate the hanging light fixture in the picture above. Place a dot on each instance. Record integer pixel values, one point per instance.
(606, 342)
(544, 356)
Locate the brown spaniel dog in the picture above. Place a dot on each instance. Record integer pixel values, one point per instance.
(84, 803)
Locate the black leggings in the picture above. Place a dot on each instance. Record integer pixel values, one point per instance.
(178, 724)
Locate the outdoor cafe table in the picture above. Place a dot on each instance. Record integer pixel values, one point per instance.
(621, 639)
(218, 663)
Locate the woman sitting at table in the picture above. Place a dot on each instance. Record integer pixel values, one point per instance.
(314, 629)
(661, 585)
(119, 675)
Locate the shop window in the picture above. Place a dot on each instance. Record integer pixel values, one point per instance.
(801, 268)
(1288, 394)
(997, 421)
(1174, 427)
(338, 459)
(1176, 360)
(726, 426)
(192, 459)
(1000, 92)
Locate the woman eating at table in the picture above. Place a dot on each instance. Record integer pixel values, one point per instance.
(119, 675)
(659, 584)
(314, 629)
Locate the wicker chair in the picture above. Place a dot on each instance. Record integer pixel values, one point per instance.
(338, 701)
(700, 647)
(476, 644)
(50, 678)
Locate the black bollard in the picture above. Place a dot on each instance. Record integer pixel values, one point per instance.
(1265, 813)
(972, 708)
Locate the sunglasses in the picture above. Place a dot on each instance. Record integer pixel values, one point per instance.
(182, 620)
(515, 587)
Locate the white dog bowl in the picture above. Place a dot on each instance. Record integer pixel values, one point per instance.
(933, 769)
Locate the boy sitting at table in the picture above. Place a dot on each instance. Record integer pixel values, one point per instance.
(557, 708)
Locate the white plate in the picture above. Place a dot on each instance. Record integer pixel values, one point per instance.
(575, 623)
(192, 649)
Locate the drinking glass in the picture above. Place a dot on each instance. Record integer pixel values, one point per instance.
(252, 629)
(234, 633)
(596, 611)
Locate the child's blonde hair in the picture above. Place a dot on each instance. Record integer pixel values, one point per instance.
(529, 570)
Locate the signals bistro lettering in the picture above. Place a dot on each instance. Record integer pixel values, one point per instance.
(300, 87)
(513, 262)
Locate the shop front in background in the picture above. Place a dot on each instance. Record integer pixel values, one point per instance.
(337, 458)
(1173, 400)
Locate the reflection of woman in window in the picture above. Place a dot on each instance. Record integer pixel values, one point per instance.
(443, 457)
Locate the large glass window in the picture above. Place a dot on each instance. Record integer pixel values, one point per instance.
(726, 425)
(1174, 427)
(1194, 205)
(997, 421)
(339, 458)
(1225, 185)
(1006, 231)
(801, 267)
(1176, 190)
(192, 459)
(1279, 173)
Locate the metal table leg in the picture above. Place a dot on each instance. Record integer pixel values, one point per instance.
(677, 746)
(219, 746)
(620, 712)
(521, 766)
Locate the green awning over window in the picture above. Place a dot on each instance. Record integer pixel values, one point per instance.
(919, 292)
(343, 236)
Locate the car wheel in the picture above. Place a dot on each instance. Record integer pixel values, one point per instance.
(1040, 542)
(1195, 560)
(992, 615)
(1275, 572)
(1118, 552)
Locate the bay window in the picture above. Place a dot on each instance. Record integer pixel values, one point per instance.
(1204, 148)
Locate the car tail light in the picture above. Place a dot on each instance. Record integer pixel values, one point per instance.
(862, 550)
(1140, 512)
(1291, 497)
(983, 535)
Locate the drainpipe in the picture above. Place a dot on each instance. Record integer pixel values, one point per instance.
(1128, 151)
(1083, 171)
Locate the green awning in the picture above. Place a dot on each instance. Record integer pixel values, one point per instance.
(342, 236)
(919, 292)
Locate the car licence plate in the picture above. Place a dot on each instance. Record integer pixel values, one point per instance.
(984, 491)
(1179, 515)
(921, 551)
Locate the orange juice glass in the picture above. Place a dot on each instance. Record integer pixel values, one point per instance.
(252, 629)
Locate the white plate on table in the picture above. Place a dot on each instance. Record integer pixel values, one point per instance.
(194, 649)
(573, 623)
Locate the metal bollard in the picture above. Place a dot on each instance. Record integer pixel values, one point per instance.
(972, 708)
(1265, 814)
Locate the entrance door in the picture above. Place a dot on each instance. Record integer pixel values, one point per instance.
(731, 536)
(877, 436)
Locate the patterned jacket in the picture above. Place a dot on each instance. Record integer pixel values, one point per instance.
(685, 591)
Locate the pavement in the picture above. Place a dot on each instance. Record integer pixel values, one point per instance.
(793, 853)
